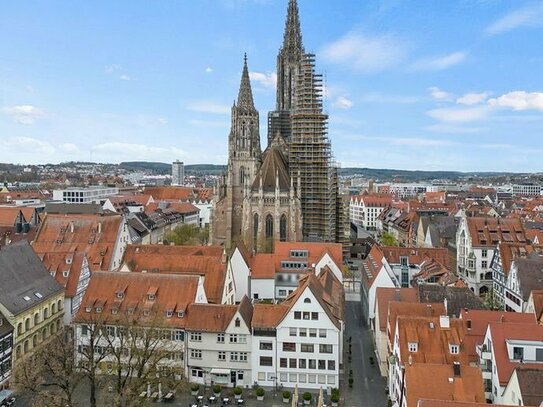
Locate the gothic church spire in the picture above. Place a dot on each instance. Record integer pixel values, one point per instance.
(245, 96)
(293, 34)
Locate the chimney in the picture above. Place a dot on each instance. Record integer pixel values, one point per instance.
(446, 305)
(444, 322)
(99, 227)
(72, 226)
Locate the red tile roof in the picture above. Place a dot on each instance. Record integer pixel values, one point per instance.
(128, 294)
(501, 332)
(384, 295)
(477, 322)
(189, 260)
(488, 232)
(437, 381)
(416, 255)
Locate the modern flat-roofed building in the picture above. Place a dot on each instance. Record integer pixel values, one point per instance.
(84, 195)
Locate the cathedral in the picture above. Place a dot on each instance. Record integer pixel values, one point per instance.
(290, 191)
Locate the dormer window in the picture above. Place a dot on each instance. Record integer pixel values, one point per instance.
(151, 297)
(114, 311)
(413, 347)
(65, 274)
(130, 311)
(454, 349)
(120, 295)
(98, 310)
(146, 313)
(88, 309)
(180, 314)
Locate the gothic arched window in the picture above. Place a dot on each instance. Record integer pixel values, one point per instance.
(283, 228)
(242, 176)
(269, 226)
(255, 230)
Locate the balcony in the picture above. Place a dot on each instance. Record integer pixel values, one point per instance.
(483, 352)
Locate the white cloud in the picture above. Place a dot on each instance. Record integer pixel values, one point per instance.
(439, 63)
(529, 16)
(343, 102)
(439, 94)
(209, 69)
(26, 144)
(459, 115)
(69, 148)
(470, 99)
(364, 53)
(117, 151)
(208, 106)
(24, 114)
(445, 128)
(519, 100)
(113, 68)
(267, 80)
(125, 78)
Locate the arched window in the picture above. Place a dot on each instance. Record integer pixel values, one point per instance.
(36, 319)
(25, 346)
(27, 324)
(35, 341)
(53, 308)
(45, 313)
(255, 229)
(269, 226)
(307, 300)
(242, 176)
(59, 305)
(18, 352)
(283, 228)
(20, 329)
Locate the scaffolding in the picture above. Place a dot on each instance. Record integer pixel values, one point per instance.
(310, 157)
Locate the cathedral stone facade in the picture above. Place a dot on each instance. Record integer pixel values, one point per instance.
(289, 192)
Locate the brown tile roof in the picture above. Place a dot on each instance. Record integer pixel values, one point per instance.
(94, 235)
(433, 342)
(371, 265)
(189, 260)
(416, 255)
(531, 385)
(449, 403)
(374, 200)
(538, 304)
(263, 266)
(510, 251)
(501, 332)
(535, 236)
(268, 316)
(172, 293)
(488, 232)
(477, 322)
(408, 309)
(9, 215)
(384, 295)
(179, 207)
(177, 193)
(209, 317)
(58, 263)
(433, 381)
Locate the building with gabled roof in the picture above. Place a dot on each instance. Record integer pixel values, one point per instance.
(535, 305)
(209, 262)
(18, 223)
(526, 275)
(219, 344)
(30, 299)
(505, 347)
(300, 341)
(525, 387)
(442, 382)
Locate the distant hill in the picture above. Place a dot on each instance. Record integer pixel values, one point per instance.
(404, 175)
(163, 168)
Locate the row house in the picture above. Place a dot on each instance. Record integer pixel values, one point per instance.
(117, 306)
(443, 382)
(525, 276)
(219, 344)
(30, 298)
(365, 209)
(424, 340)
(269, 276)
(208, 262)
(501, 265)
(476, 242)
(505, 347)
(73, 246)
(525, 387)
(408, 262)
(399, 223)
(6, 351)
(435, 231)
(300, 341)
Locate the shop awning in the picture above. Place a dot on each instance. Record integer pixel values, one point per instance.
(220, 371)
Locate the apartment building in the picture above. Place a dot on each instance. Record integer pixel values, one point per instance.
(476, 242)
(6, 351)
(84, 195)
(219, 344)
(30, 299)
(365, 209)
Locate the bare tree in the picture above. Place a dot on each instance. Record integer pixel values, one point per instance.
(49, 375)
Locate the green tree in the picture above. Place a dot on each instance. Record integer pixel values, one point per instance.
(388, 239)
(188, 235)
(492, 301)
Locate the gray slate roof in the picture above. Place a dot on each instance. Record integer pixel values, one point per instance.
(458, 298)
(22, 274)
(531, 385)
(530, 274)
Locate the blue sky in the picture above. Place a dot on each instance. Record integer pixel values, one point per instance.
(411, 84)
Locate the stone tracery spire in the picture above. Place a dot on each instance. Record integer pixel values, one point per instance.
(245, 96)
(293, 33)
